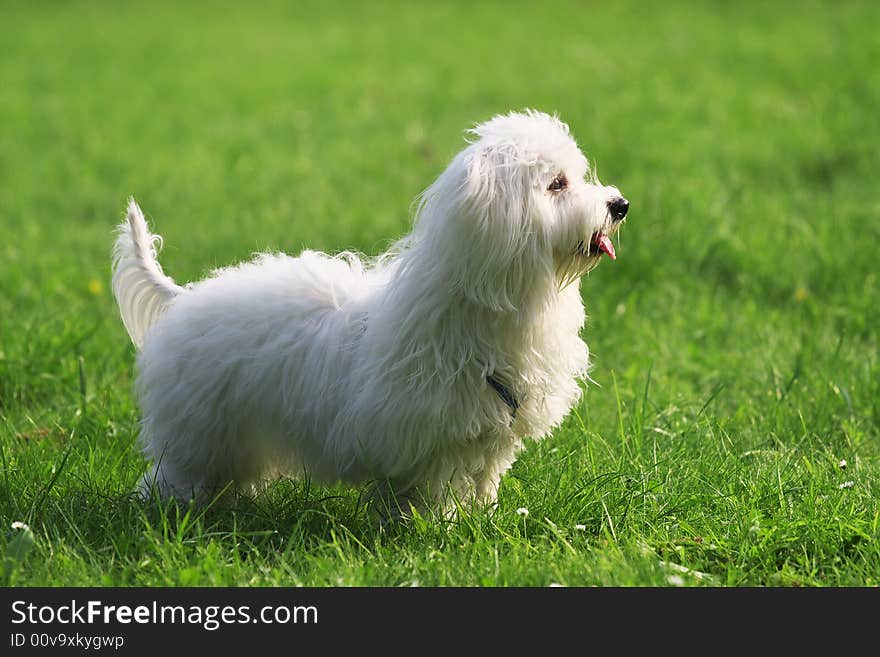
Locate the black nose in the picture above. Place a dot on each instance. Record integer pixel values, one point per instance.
(618, 207)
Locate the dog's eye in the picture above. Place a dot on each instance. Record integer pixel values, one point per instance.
(559, 183)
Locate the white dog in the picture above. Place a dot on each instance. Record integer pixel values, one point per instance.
(420, 371)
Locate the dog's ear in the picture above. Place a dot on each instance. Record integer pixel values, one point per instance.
(479, 229)
(501, 242)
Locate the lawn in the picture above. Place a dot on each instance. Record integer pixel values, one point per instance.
(732, 436)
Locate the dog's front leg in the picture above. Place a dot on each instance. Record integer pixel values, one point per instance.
(394, 501)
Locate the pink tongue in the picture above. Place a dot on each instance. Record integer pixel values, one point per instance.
(604, 244)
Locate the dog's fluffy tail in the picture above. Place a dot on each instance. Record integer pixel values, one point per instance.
(142, 290)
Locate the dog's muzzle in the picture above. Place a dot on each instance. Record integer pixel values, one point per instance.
(600, 242)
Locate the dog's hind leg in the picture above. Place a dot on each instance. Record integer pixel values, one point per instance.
(161, 480)
(170, 482)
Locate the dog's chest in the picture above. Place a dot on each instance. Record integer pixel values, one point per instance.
(533, 389)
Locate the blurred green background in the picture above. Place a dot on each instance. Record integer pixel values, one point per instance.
(740, 317)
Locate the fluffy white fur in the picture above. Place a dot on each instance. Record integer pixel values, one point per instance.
(421, 370)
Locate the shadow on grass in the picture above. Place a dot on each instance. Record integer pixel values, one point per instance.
(286, 515)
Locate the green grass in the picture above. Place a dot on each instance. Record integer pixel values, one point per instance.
(735, 339)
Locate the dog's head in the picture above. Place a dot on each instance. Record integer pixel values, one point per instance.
(517, 208)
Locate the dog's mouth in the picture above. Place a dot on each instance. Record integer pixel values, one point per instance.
(586, 256)
(599, 243)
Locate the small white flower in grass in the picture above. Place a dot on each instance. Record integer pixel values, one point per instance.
(19, 545)
(556, 585)
(522, 511)
(842, 464)
(675, 580)
(678, 568)
(581, 528)
(847, 484)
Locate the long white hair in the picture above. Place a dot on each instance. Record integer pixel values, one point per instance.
(424, 368)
